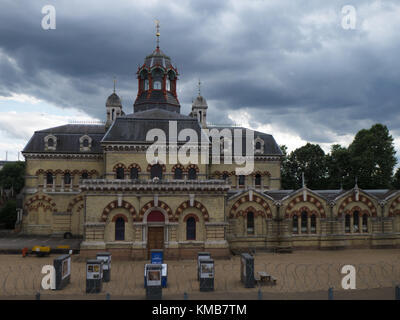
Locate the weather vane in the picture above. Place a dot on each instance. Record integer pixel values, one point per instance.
(115, 81)
(199, 88)
(158, 32)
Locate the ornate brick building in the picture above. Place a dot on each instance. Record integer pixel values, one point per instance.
(94, 182)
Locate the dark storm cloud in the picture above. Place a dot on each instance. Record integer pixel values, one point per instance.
(284, 62)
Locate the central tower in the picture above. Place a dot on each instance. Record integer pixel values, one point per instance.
(157, 82)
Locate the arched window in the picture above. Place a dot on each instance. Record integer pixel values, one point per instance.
(225, 176)
(120, 173)
(49, 178)
(365, 223)
(85, 175)
(250, 223)
(178, 174)
(146, 84)
(258, 179)
(347, 223)
(304, 222)
(192, 174)
(157, 85)
(67, 178)
(241, 180)
(191, 229)
(134, 174)
(258, 145)
(112, 114)
(86, 143)
(156, 171)
(120, 229)
(295, 226)
(356, 222)
(168, 83)
(313, 224)
(50, 142)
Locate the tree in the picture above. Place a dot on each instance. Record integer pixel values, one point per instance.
(372, 156)
(310, 160)
(13, 176)
(338, 163)
(8, 214)
(396, 179)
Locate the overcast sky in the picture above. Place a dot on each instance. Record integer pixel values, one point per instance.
(284, 67)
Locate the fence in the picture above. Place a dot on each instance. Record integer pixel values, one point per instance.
(22, 277)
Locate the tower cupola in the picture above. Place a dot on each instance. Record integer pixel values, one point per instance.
(199, 108)
(113, 107)
(157, 80)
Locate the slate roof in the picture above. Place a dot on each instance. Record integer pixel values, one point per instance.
(134, 127)
(156, 100)
(158, 57)
(67, 138)
(113, 100)
(270, 145)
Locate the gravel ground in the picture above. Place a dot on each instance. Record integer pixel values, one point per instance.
(300, 275)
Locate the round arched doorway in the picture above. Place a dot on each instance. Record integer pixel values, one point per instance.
(155, 231)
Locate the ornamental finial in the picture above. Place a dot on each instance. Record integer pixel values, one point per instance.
(158, 33)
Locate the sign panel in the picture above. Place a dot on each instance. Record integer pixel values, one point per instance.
(206, 270)
(66, 268)
(94, 271)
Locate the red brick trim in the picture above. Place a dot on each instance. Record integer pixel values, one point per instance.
(134, 165)
(196, 204)
(311, 199)
(73, 202)
(118, 165)
(395, 202)
(191, 215)
(150, 205)
(362, 199)
(267, 210)
(114, 204)
(119, 215)
(51, 204)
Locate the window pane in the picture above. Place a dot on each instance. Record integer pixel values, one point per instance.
(365, 223)
(347, 223)
(250, 223)
(178, 175)
(241, 180)
(120, 229)
(157, 85)
(304, 221)
(356, 226)
(67, 178)
(134, 173)
(191, 229)
(258, 180)
(313, 224)
(156, 171)
(49, 178)
(192, 174)
(120, 173)
(295, 224)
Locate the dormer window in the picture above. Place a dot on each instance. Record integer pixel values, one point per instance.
(258, 145)
(85, 143)
(50, 142)
(157, 85)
